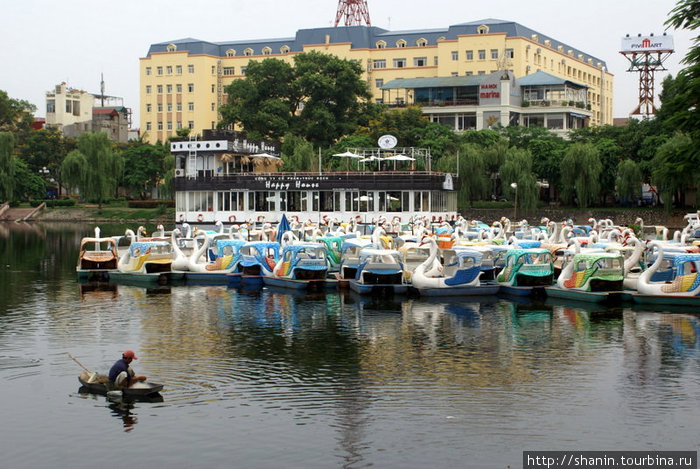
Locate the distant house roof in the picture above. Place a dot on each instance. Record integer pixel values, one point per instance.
(364, 37)
(110, 111)
(437, 82)
(544, 78)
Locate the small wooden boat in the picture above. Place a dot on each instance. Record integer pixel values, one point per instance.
(99, 384)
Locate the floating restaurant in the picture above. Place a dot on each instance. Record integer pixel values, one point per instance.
(229, 178)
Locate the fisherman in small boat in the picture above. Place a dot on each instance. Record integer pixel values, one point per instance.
(121, 375)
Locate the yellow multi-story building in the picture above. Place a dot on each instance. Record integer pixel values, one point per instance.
(549, 83)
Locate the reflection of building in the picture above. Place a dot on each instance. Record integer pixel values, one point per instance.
(76, 111)
(182, 82)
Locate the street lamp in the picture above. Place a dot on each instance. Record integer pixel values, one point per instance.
(514, 185)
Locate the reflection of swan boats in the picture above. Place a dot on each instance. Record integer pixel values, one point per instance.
(98, 290)
(383, 303)
(97, 258)
(99, 384)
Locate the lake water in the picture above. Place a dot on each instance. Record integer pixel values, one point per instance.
(270, 379)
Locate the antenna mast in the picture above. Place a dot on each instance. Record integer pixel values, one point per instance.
(646, 55)
(352, 13)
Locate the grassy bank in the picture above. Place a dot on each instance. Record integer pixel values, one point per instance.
(115, 212)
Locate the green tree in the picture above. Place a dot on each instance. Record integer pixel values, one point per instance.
(15, 115)
(676, 168)
(7, 166)
(473, 181)
(494, 157)
(28, 184)
(143, 167)
(320, 98)
(94, 167)
(166, 186)
(629, 180)
(46, 148)
(298, 154)
(580, 174)
(517, 168)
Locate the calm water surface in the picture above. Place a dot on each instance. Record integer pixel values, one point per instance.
(270, 379)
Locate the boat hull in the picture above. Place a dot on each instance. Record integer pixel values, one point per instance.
(511, 290)
(281, 282)
(378, 288)
(207, 278)
(132, 278)
(580, 295)
(481, 290)
(144, 389)
(670, 300)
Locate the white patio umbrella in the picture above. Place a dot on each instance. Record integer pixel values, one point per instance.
(373, 158)
(399, 157)
(265, 155)
(348, 154)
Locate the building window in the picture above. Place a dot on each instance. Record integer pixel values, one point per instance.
(455, 55)
(243, 69)
(171, 48)
(178, 125)
(178, 69)
(213, 124)
(213, 106)
(483, 29)
(159, 70)
(160, 107)
(435, 60)
(160, 125)
(170, 126)
(266, 51)
(470, 55)
(213, 88)
(421, 42)
(379, 101)
(190, 106)
(230, 52)
(190, 87)
(159, 89)
(148, 70)
(170, 107)
(248, 51)
(400, 43)
(284, 50)
(190, 68)
(379, 63)
(190, 125)
(148, 108)
(399, 63)
(482, 72)
(213, 70)
(148, 89)
(381, 44)
(169, 70)
(178, 88)
(482, 54)
(379, 82)
(148, 126)
(169, 88)
(469, 74)
(494, 54)
(454, 74)
(229, 71)
(509, 53)
(178, 106)
(420, 61)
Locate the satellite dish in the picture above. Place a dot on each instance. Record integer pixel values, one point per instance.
(387, 141)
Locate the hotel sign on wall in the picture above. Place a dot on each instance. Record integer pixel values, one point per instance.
(647, 43)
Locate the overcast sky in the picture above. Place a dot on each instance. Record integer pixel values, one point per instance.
(43, 43)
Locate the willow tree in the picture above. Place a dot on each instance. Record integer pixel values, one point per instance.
(469, 163)
(7, 166)
(495, 156)
(580, 174)
(517, 168)
(629, 180)
(94, 167)
(675, 169)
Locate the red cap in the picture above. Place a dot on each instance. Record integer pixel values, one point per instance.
(129, 354)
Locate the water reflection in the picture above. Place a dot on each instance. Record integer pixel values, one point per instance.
(365, 373)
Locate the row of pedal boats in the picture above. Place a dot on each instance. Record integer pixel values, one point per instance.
(427, 263)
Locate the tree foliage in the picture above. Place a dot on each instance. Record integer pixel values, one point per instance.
(629, 180)
(94, 167)
(320, 98)
(15, 115)
(517, 168)
(471, 166)
(676, 168)
(46, 148)
(7, 166)
(143, 167)
(580, 174)
(298, 154)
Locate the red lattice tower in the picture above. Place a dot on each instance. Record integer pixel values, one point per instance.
(354, 12)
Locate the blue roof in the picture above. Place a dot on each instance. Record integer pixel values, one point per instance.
(544, 78)
(363, 37)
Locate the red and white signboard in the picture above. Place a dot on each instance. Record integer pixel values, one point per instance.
(647, 43)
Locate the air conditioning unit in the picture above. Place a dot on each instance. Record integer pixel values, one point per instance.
(179, 173)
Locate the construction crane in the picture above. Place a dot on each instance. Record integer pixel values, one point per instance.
(352, 13)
